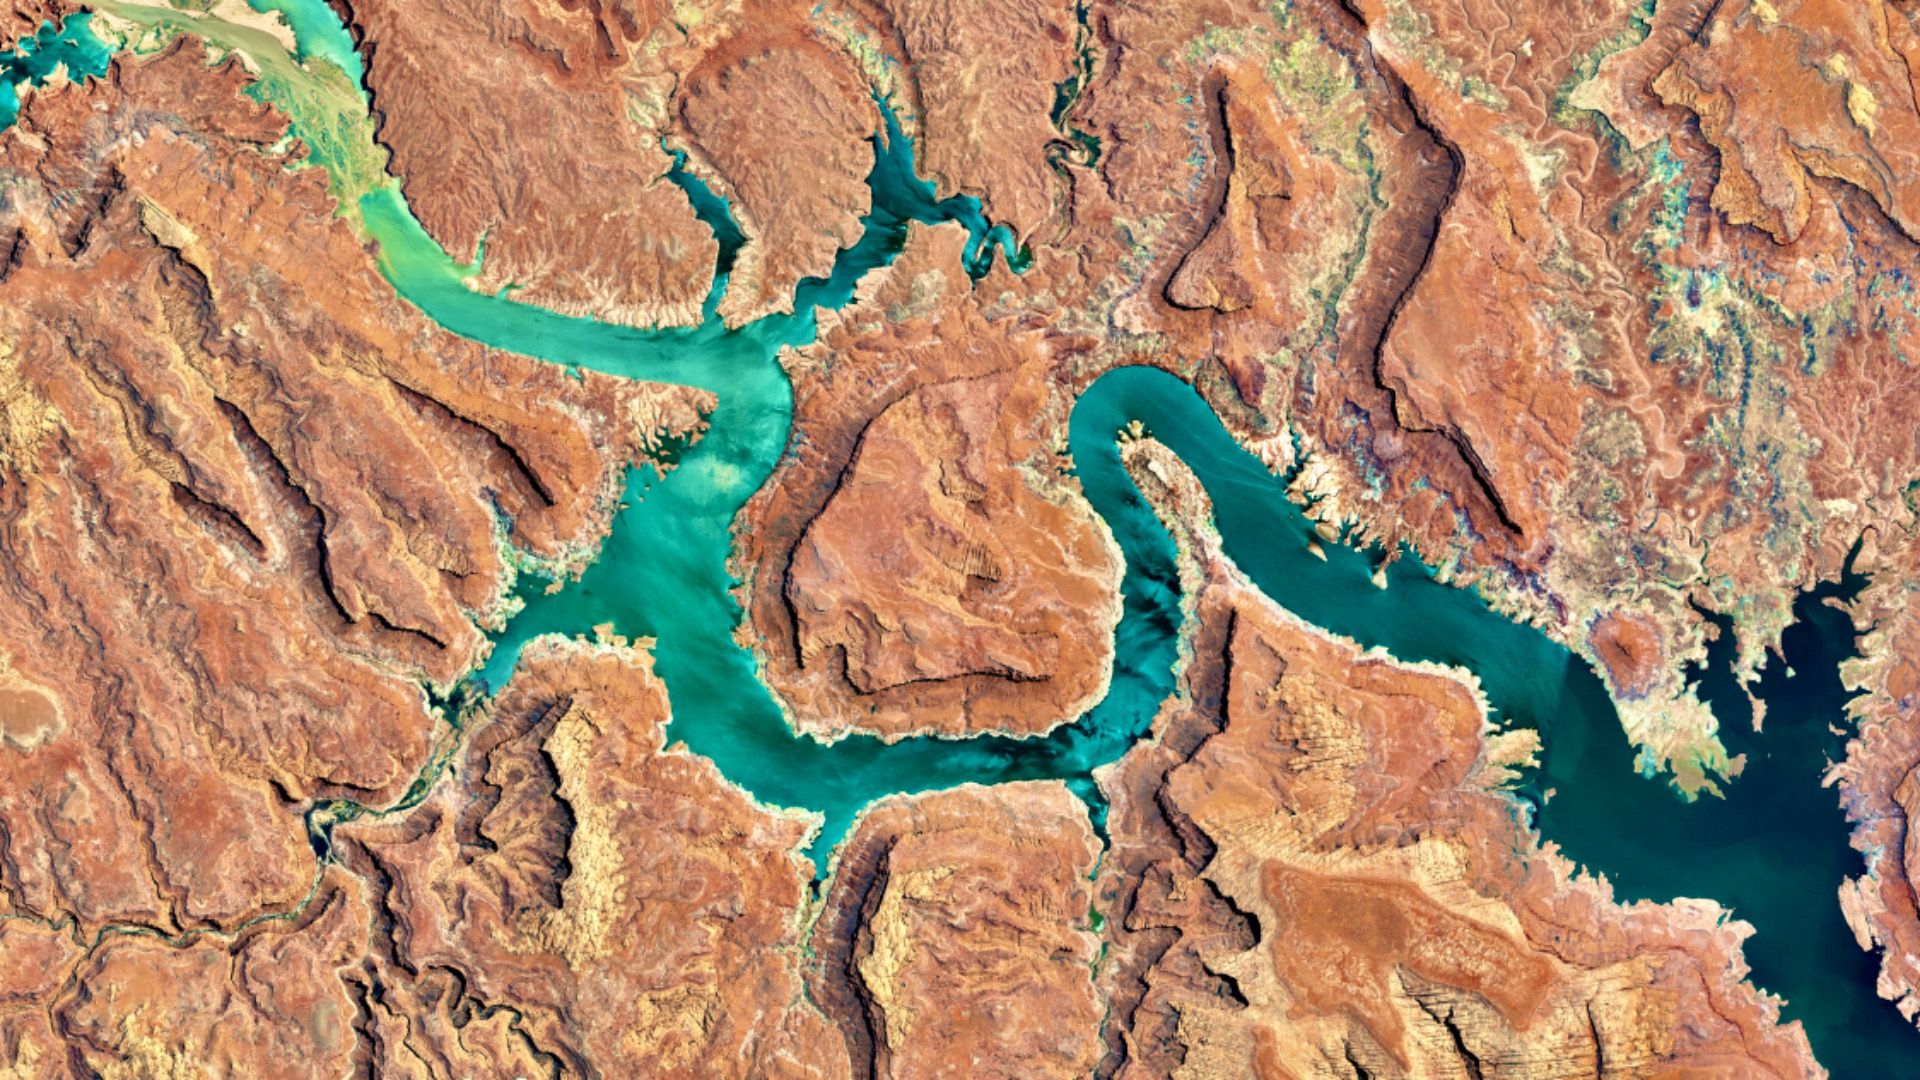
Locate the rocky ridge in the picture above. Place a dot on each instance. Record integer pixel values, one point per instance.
(1314, 872)
(251, 503)
(1677, 395)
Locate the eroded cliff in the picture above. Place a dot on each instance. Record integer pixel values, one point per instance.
(1314, 873)
(252, 502)
(1605, 310)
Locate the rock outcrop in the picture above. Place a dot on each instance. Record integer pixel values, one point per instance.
(797, 173)
(628, 909)
(985, 75)
(21, 18)
(1880, 778)
(920, 563)
(492, 112)
(1314, 872)
(535, 138)
(935, 562)
(955, 939)
(248, 502)
(1605, 310)
(1843, 74)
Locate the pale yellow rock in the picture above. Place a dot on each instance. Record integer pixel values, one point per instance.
(25, 1064)
(594, 894)
(26, 419)
(893, 949)
(150, 1056)
(673, 1025)
(1862, 106)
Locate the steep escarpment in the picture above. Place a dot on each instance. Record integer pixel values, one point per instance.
(954, 938)
(1844, 72)
(1467, 281)
(139, 1007)
(537, 140)
(630, 910)
(1313, 871)
(984, 77)
(1678, 380)
(1880, 778)
(252, 502)
(796, 174)
(469, 95)
(571, 898)
(1605, 309)
(920, 563)
(933, 562)
(20, 18)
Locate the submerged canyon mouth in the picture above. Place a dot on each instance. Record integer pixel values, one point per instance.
(662, 573)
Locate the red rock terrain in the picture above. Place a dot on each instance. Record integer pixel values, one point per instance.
(1842, 71)
(20, 18)
(954, 535)
(622, 243)
(1479, 277)
(979, 578)
(248, 503)
(1608, 312)
(955, 937)
(633, 912)
(794, 223)
(1313, 873)
(984, 73)
(551, 154)
(919, 563)
(571, 897)
(1880, 778)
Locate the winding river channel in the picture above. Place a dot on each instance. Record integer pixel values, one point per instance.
(1774, 849)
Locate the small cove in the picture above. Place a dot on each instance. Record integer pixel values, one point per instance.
(70, 45)
(1774, 849)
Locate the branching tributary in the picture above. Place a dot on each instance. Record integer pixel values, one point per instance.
(1774, 848)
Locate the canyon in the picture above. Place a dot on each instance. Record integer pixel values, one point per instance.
(343, 732)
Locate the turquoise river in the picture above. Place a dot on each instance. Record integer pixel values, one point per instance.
(69, 46)
(1774, 849)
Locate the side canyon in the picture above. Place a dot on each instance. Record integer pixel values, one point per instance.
(386, 389)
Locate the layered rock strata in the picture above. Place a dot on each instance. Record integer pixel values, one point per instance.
(985, 77)
(251, 502)
(506, 185)
(921, 563)
(796, 172)
(1880, 778)
(629, 909)
(1565, 297)
(21, 18)
(955, 940)
(1314, 872)
(564, 192)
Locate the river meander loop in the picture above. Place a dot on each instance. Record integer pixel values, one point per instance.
(1774, 849)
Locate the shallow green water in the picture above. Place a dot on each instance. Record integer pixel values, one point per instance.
(663, 571)
(317, 32)
(1775, 849)
(70, 45)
